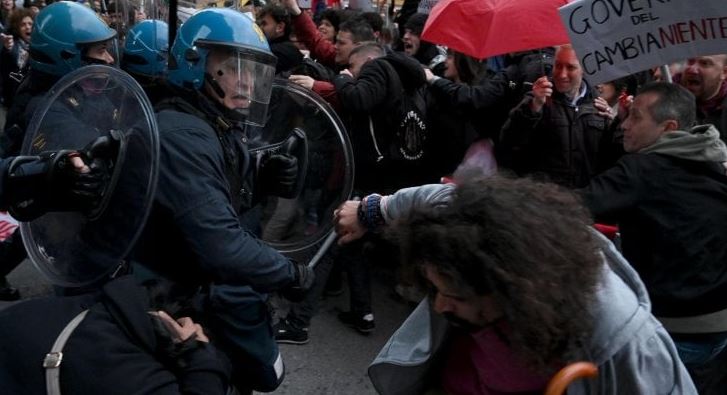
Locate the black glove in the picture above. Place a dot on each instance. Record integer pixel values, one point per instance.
(303, 282)
(278, 175)
(50, 182)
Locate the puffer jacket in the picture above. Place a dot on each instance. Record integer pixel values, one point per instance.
(564, 143)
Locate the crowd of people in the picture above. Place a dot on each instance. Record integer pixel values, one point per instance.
(515, 282)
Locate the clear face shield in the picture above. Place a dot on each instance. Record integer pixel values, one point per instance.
(104, 53)
(241, 81)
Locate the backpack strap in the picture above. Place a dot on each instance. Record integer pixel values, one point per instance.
(52, 361)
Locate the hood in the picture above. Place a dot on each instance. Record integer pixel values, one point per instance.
(701, 143)
(621, 307)
(409, 70)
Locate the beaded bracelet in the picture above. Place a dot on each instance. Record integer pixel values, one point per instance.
(369, 212)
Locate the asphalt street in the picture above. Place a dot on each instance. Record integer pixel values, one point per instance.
(333, 362)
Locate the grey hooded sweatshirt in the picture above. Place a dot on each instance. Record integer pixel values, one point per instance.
(632, 350)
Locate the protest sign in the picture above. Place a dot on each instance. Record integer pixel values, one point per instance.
(614, 38)
(425, 6)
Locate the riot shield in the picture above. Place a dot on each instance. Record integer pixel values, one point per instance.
(92, 104)
(299, 226)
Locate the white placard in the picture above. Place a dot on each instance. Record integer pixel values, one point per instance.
(614, 38)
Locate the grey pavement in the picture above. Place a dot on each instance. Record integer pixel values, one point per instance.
(333, 362)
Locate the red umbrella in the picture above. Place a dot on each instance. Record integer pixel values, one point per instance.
(483, 28)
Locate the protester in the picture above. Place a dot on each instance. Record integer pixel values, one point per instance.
(561, 134)
(428, 54)
(509, 306)
(467, 102)
(15, 53)
(6, 8)
(706, 78)
(668, 198)
(274, 20)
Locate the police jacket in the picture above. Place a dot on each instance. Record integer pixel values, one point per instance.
(28, 97)
(116, 349)
(370, 105)
(565, 143)
(194, 234)
(671, 213)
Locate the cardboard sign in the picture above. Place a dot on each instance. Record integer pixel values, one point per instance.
(615, 38)
(305, 4)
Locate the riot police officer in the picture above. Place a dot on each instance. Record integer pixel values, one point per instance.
(220, 74)
(145, 54)
(67, 36)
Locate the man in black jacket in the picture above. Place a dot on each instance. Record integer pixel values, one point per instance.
(371, 93)
(706, 78)
(559, 132)
(428, 54)
(274, 20)
(668, 197)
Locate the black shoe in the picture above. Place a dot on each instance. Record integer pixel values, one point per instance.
(286, 333)
(364, 324)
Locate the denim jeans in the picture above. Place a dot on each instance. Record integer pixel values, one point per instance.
(696, 350)
(705, 357)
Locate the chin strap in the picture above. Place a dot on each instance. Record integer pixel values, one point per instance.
(215, 85)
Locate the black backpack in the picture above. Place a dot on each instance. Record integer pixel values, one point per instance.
(312, 69)
(412, 127)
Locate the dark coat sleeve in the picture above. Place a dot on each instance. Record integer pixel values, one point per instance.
(520, 126)
(609, 195)
(192, 185)
(366, 92)
(470, 97)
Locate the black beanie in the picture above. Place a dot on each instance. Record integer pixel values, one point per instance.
(415, 23)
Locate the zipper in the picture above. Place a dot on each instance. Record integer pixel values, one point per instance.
(373, 138)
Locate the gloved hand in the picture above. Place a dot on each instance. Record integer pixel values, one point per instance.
(60, 180)
(303, 282)
(278, 175)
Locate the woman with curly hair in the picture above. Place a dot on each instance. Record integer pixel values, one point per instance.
(14, 54)
(520, 287)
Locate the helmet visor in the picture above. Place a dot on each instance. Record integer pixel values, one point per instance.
(103, 52)
(241, 82)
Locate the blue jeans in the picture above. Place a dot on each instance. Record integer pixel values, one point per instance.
(698, 350)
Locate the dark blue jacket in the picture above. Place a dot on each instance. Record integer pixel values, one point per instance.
(194, 234)
(114, 350)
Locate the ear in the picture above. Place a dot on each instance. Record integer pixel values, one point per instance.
(671, 125)
(279, 27)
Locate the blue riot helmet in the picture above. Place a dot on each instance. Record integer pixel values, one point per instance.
(225, 55)
(68, 35)
(146, 49)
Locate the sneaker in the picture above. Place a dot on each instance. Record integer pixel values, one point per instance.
(364, 324)
(287, 333)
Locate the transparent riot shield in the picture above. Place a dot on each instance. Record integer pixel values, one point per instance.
(300, 225)
(102, 110)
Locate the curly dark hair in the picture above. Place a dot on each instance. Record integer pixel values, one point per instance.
(16, 18)
(528, 246)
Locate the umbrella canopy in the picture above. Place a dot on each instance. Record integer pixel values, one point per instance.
(484, 28)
